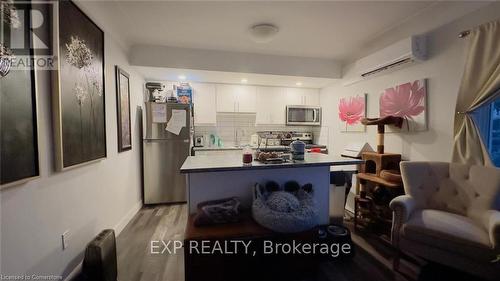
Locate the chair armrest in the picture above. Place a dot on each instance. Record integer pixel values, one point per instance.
(493, 227)
(402, 207)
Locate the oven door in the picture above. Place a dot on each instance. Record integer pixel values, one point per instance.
(303, 115)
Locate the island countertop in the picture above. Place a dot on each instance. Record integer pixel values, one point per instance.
(217, 163)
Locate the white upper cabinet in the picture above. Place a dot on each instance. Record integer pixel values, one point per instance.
(236, 98)
(311, 96)
(246, 99)
(293, 96)
(204, 101)
(301, 96)
(270, 106)
(226, 99)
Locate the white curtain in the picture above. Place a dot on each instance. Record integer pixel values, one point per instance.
(480, 84)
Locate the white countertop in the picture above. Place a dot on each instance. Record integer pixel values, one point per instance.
(203, 148)
(208, 163)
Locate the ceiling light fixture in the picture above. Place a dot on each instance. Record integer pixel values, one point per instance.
(182, 77)
(264, 32)
(298, 84)
(244, 80)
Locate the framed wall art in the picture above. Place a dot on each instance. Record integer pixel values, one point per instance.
(19, 154)
(351, 110)
(79, 98)
(407, 100)
(123, 110)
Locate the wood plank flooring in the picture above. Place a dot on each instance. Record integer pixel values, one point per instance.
(167, 222)
(135, 260)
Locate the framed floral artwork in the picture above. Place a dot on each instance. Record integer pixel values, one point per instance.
(79, 107)
(407, 100)
(123, 109)
(19, 153)
(351, 110)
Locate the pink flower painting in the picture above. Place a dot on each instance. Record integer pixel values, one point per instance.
(408, 101)
(351, 111)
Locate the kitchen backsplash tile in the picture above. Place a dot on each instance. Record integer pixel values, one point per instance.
(238, 127)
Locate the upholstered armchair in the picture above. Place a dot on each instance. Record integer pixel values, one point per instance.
(449, 215)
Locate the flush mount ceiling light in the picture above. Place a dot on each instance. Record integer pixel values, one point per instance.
(182, 77)
(264, 32)
(298, 84)
(244, 80)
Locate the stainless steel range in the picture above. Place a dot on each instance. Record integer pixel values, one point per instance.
(306, 137)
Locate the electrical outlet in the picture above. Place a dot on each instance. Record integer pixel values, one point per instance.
(65, 239)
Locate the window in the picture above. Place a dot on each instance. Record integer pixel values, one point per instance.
(487, 119)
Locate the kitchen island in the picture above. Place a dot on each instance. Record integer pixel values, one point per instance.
(220, 176)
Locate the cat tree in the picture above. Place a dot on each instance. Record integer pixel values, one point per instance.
(380, 171)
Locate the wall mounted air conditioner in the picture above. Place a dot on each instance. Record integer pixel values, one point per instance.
(402, 53)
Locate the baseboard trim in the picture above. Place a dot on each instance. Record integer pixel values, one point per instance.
(118, 229)
(127, 218)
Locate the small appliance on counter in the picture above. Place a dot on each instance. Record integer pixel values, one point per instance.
(156, 92)
(199, 141)
(269, 138)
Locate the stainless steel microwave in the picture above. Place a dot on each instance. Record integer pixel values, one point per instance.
(303, 115)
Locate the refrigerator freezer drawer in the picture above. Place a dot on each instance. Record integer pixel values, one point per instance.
(163, 182)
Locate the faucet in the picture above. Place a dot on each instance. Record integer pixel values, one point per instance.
(237, 140)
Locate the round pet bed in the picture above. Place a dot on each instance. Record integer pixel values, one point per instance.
(283, 211)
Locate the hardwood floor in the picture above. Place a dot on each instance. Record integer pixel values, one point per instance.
(135, 260)
(167, 222)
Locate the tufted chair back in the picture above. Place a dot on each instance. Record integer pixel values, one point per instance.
(456, 188)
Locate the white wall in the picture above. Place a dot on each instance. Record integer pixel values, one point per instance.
(83, 200)
(443, 71)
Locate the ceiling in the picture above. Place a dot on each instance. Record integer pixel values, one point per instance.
(172, 74)
(338, 31)
(328, 29)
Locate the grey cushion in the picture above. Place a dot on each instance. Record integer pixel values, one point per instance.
(450, 232)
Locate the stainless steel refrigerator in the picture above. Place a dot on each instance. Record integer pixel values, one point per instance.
(164, 152)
